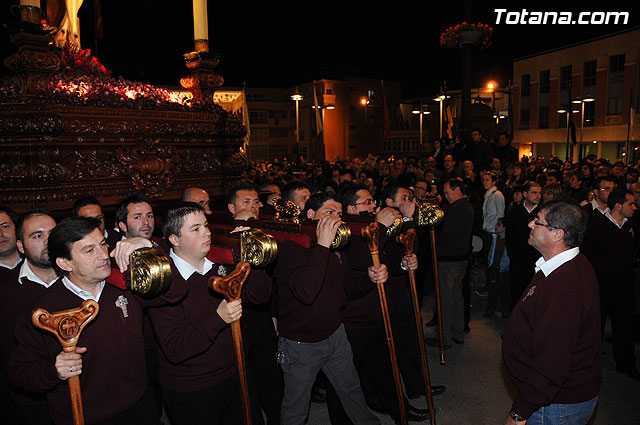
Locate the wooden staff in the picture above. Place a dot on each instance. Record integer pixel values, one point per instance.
(370, 234)
(436, 283)
(231, 287)
(406, 241)
(66, 326)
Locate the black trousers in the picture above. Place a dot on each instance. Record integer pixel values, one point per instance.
(618, 303)
(405, 334)
(219, 405)
(264, 376)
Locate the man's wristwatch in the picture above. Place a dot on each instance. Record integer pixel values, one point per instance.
(515, 416)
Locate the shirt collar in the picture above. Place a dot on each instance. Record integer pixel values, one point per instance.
(186, 269)
(85, 295)
(596, 205)
(607, 213)
(490, 191)
(550, 265)
(9, 266)
(528, 210)
(25, 271)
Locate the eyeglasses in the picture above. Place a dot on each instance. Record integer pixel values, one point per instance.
(607, 189)
(367, 202)
(537, 223)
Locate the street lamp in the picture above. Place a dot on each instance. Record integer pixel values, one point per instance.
(297, 97)
(440, 99)
(581, 102)
(422, 110)
(567, 111)
(492, 86)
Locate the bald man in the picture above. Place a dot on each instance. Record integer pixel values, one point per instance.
(199, 196)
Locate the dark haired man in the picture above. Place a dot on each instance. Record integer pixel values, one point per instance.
(608, 245)
(197, 367)
(297, 192)
(552, 346)
(505, 152)
(399, 198)
(78, 248)
(9, 257)
(89, 206)
(453, 244)
(522, 255)
(602, 187)
(479, 150)
(134, 216)
(18, 291)
(313, 285)
(243, 202)
(363, 319)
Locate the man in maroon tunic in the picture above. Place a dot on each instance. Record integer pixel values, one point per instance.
(197, 367)
(110, 355)
(313, 285)
(18, 290)
(552, 346)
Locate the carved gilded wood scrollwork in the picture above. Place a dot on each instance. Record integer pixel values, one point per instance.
(149, 165)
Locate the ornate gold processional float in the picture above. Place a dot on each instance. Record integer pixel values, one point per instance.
(67, 128)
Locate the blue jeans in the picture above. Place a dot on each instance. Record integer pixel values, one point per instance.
(564, 414)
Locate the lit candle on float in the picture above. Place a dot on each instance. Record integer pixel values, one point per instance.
(31, 3)
(200, 25)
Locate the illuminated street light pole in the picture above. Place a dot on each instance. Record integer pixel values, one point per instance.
(424, 110)
(440, 99)
(567, 111)
(582, 102)
(297, 97)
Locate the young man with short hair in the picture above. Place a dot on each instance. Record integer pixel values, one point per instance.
(313, 285)
(197, 366)
(134, 216)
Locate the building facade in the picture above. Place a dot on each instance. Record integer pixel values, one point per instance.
(590, 86)
(345, 118)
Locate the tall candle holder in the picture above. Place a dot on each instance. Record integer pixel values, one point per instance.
(203, 80)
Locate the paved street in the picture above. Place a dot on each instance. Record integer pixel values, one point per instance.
(479, 392)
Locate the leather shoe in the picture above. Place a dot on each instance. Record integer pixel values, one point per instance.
(433, 342)
(416, 415)
(431, 323)
(435, 390)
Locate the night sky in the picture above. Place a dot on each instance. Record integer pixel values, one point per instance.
(282, 43)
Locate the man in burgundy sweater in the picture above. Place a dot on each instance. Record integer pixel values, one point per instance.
(313, 285)
(18, 291)
(259, 338)
(552, 346)
(110, 357)
(197, 366)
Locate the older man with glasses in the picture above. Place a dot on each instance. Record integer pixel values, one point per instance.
(552, 346)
